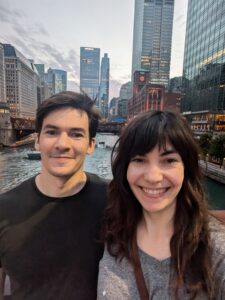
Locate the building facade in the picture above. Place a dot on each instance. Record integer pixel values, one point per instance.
(2, 75)
(21, 79)
(150, 97)
(56, 80)
(89, 71)
(103, 99)
(6, 132)
(152, 38)
(204, 66)
(44, 89)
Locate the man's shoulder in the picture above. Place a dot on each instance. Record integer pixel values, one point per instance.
(95, 179)
(16, 192)
(96, 189)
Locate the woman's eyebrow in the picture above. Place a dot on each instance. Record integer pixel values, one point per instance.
(167, 152)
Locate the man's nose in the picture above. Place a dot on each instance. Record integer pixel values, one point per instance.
(63, 141)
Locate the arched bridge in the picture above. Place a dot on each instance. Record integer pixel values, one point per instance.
(23, 127)
(111, 127)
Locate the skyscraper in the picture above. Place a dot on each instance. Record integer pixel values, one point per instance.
(2, 75)
(152, 38)
(44, 89)
(22, 82)
(204, 66)
(56, 80)
(103, 98)
(89, 71)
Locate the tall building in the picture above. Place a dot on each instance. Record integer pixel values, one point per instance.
(103, 99)
(126, 90)
(21, 79)
(152, 38)
(44, 89)
(89, 71)
(2, 75)
(56, 80)
(204, 66)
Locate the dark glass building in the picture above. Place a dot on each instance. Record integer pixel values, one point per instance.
(89, 71)
(152, 39)
(103, 100)
(204, 66)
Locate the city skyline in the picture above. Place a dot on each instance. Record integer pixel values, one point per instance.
(54, 35)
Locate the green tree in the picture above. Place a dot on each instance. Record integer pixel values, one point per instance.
(205, 143)
(217, 148)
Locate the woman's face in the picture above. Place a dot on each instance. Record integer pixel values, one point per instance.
(156, 178)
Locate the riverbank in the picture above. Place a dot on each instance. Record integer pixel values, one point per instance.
(212, 171)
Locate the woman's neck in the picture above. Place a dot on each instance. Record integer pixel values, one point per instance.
(154, 235)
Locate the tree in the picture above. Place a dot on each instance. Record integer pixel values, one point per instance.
(205, 143)
(217, 148)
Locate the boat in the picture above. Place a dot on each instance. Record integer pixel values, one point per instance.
(25, 141)
(101, 145)
(34, 155)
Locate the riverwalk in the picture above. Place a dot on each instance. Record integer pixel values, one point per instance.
(213, 171)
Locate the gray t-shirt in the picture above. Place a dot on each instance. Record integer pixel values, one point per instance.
(117, 282)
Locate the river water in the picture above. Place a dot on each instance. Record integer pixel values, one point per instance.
(15, 168)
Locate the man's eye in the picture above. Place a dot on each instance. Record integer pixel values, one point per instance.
(76, 134)
(50, 132)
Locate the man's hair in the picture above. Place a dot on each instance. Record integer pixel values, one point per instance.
(73, 100)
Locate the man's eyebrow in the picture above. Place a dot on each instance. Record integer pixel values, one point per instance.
(49, 126)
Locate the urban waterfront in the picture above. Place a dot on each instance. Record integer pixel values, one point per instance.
(15, 168)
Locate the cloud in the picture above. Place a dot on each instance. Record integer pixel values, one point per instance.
(10, 15)
(114, 87)
(32, 40)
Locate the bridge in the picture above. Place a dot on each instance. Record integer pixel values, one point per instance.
(23, 127)
(111, 127)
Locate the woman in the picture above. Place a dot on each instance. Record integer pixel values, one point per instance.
(160, 241)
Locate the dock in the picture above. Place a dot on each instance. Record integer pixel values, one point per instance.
(213, 171)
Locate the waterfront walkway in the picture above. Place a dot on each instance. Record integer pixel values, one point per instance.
(213, 171)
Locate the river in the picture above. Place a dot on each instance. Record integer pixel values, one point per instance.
(15, 168)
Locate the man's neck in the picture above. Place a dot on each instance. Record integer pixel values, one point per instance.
(59, 187)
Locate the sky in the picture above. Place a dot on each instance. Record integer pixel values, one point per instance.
(52, 31)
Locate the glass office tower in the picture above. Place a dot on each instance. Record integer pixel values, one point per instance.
(204, 65)
(103, 100)
(57, 80)
(152, 38)
(89, 71)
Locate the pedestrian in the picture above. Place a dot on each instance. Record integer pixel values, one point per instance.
(160, 241)
(49, 224)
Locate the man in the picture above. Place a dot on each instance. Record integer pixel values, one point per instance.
(49, 225)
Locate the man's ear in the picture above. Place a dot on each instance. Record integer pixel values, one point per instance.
(36, 144)
(91, 147)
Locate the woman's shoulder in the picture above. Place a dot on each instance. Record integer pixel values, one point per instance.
(217, 232)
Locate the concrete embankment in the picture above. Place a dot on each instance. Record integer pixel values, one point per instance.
(212, 171)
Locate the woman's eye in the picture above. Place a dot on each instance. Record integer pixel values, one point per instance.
(137, 159)
(171, 160)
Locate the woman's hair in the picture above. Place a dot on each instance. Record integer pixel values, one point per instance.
(190, 244)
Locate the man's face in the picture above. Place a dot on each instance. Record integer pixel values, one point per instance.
(64, 142)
